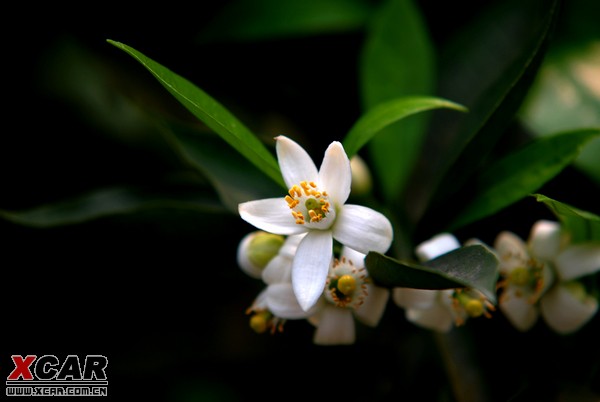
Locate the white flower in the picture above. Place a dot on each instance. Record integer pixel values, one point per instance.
(277, 303)
(540, 276)
(316, 206)
(439, 309)
(349, 294)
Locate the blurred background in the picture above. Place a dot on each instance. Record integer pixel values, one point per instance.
(156, 287)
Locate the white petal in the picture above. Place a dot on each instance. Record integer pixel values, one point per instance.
(260, 302)
(278, 270)
(512, 251)
(318, 308)
(436, 246)
(335, 174)
(358, 259)
(336, 327)
(371, 311)
(578, 260)
(310, 267)
(295, 163)
(414, 298)
(548, 278)
(518, 310)
(544, 239)
(290, 245)
(271, 215)
(282, 302)
(242, 257)
(564, 313)
(363, 229)
(438, 317)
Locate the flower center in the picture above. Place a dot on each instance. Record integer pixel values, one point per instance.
(519, 276)
(259, 322)
(307, 203)
(528, 280)
(471, 303)
(346, 284)
(474, 308)
(263, 320)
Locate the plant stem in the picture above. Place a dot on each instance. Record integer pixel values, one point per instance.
(463, 370)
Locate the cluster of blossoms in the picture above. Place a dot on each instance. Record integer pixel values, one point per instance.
(440, 310)
(293, 253)
(305, 279)
(542, 276)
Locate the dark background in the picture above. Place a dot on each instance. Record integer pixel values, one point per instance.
(159, 291)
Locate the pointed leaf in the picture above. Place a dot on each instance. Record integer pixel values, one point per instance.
(493, 89)
(108, 202)
(565, 95)
(212, 113)
(397, 60)
(387, 113)
(582, 225)
(471, 266)
(234, 178)
(521, 173)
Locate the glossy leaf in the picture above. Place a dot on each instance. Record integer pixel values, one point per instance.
(472, 266)
(521, 173)
(517, 33)
(582, 225)
(108, 202)
(235, 179)
(384, 114)
(250, 20)
(212, 113)
(397, 61)
(566, 96)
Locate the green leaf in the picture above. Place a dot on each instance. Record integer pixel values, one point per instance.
(387, 113)
(109, 202)
(235, 179)
(397, 60)
(522, 172)
(517, 33)
(212, 113)
(582, 225)
(565, 95)
(472, 266)
(250, 20)
(563, 98)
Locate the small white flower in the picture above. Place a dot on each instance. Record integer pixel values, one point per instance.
(315, 206)
(277, 303)
(540, 276)
(439, 309)
(349, 294)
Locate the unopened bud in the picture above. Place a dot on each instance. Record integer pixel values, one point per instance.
(362, 182)
(256, 250)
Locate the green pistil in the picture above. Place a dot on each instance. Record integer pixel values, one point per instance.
(520, 276)
(312, 204)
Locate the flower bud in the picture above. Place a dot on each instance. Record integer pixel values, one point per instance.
(362, 183)
(256, 250)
